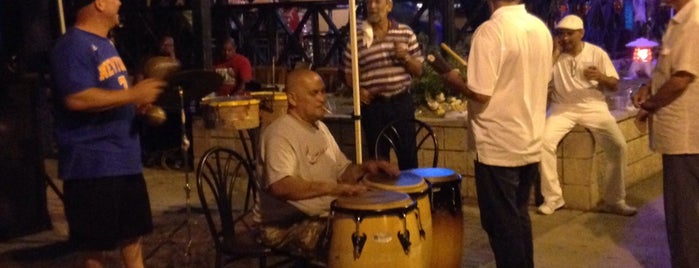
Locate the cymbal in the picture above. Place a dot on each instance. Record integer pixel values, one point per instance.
(160, 67)
(195, 85)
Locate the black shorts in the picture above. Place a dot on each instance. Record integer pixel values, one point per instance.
(102, 212)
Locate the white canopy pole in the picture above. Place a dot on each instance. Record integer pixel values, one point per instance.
(355, 79)
(61, 16)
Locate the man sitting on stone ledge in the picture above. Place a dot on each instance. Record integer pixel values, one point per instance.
(302, 170)
(580, 75)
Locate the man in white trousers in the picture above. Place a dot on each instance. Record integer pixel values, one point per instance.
(580, 75)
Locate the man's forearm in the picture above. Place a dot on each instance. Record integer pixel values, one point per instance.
(668, 92)
(413, 66)
(608, 83)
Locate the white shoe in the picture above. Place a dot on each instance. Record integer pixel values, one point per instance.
(548, 208)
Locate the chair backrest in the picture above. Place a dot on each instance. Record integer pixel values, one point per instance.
(226, 191)
(424, 137)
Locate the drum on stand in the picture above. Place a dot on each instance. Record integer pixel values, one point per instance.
(230, 113)
(447, 216)
(374, 229)
(419, 190)
(272, 105)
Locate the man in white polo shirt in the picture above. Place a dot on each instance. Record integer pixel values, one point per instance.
(580, 75)
(670, 103)
(506, 90)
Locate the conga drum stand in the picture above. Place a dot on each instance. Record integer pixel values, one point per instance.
(187, 190)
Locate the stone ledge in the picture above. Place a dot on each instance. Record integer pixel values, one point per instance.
(580, 160)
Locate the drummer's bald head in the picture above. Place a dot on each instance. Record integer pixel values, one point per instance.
(300, 79)
(301, 83)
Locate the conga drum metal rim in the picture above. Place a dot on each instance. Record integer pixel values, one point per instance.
(266, 94)
(374, 201)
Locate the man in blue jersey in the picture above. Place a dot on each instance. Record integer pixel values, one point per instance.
(106, 200)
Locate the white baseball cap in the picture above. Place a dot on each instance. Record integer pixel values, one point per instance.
(570, 22)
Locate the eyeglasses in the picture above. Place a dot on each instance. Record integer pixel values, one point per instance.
(573, 67)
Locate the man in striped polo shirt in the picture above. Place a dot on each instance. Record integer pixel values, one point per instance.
(389, 57)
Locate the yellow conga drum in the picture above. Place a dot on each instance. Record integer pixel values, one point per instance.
(419, 190)
(373, 230)
(231, 113)
(272, 105)
(447, 216)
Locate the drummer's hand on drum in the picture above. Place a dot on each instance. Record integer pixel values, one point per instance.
(147, 91)
(343, 189)
(381, 166)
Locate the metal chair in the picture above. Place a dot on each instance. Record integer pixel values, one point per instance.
(226, 190)
(424, 135)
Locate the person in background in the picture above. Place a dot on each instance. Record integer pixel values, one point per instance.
(302, 170)
(670, 104)
(164, 48)
(106, 200)
(235, 69)
(506, 88)
(581, 74)
(389, 57)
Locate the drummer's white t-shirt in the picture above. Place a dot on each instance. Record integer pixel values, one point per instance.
(291, 148)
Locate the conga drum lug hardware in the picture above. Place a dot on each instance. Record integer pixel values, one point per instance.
(358, 240)
(404, 237)
(419, 224)
(358, 243)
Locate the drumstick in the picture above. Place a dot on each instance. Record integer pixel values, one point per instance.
(453, 54)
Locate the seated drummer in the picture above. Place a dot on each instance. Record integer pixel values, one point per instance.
(234, 67)
(302, 170)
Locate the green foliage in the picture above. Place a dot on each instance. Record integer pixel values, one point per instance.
(430, 84)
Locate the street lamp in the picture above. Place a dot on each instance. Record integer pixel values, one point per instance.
(642, 57)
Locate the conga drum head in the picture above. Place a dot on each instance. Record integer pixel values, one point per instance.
(436, 174)
(406, 183)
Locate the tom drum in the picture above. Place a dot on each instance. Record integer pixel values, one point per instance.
(374, 230)
(447, 216)
(230, 113)
(419, 190)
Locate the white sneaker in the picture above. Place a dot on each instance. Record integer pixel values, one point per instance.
(548, 208)
(619, 209)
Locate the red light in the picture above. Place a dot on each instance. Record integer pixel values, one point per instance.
(642, 54)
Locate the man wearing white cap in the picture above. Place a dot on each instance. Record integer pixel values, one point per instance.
(580, 75)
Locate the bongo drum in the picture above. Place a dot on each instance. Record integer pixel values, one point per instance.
(272, 105)
(231, 113)
(419, 190)
(447, 217)
(373, 230)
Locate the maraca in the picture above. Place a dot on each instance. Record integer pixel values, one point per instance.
(155, 116)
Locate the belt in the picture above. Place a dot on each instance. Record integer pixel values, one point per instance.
(392, 95)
